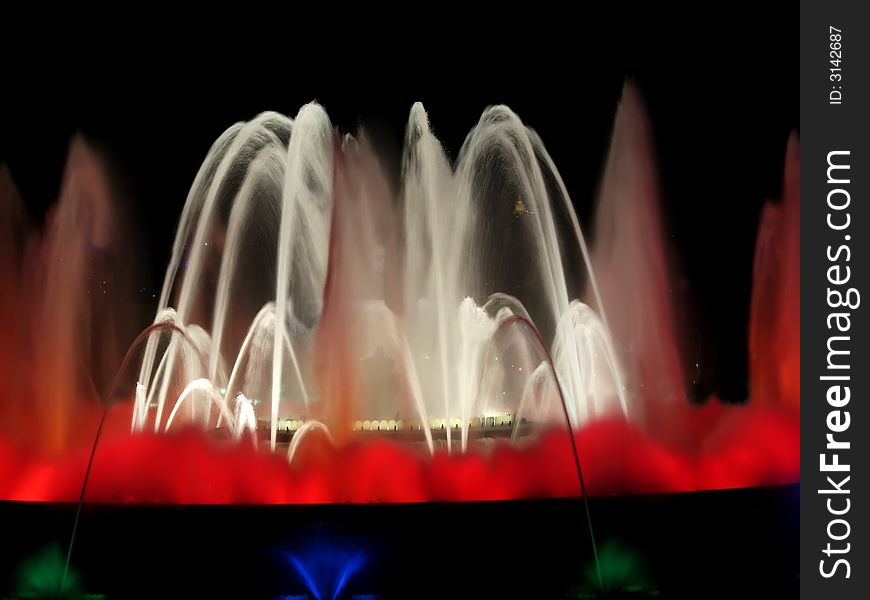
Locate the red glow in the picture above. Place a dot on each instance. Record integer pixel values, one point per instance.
(747, 447)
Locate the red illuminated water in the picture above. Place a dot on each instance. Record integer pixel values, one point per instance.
(746, 447)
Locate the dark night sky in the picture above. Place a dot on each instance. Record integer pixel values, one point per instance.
(722, 94)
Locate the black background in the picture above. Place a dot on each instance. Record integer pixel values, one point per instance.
(721, 90)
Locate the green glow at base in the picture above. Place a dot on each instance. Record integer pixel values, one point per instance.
(39, 576)
(622, 570)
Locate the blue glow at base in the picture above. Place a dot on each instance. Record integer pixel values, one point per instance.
(326, 569)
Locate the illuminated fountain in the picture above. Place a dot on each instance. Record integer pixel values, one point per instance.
(298, 235)
(325, 338)
(461, 318)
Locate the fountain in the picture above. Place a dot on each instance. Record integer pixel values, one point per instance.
(459, 324)
(325, 338)
(346, 272)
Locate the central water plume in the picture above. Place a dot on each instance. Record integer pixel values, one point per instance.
(311, 290)
(635, 276)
